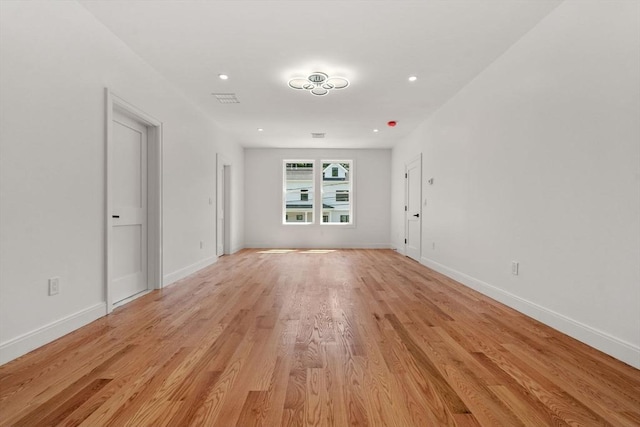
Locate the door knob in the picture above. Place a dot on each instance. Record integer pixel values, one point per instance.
(115, 216)
(416, 215)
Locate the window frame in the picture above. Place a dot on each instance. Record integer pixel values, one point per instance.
(316, 189)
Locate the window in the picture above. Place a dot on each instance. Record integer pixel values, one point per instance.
(300, 206)
(298, 192)
(336, 189)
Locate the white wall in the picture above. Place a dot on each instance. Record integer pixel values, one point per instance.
(538, 160)
(56, 60)
(263, 201)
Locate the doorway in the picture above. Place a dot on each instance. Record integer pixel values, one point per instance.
(413, 211)
(134, 203)
(223, 208)
(226, 210)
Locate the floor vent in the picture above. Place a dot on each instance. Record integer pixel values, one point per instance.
(226, 98)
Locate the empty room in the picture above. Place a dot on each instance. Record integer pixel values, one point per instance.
(333, 213)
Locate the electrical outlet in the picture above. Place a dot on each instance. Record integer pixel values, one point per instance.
(433, 245)
(54, 286)
(515, 266)
(201, 244)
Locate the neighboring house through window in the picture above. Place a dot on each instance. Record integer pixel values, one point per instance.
(297, 190)
(337, 185)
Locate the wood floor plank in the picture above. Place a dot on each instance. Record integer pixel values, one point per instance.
(319, 338)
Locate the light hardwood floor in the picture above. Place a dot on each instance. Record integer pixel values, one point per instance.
(348, 337)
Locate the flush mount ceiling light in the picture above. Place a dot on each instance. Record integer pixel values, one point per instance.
(318, 83)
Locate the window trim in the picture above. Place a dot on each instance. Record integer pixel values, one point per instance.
(316, 189)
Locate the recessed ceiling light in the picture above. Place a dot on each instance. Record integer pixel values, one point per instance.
(375, 130)
(260, 129)
(413, 78)
(223, 76)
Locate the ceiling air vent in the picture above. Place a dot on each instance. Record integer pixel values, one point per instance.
(226, 98)
(317, 135)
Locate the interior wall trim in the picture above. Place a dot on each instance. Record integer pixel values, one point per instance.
(23, 344)
(188, 270)
(270, 245)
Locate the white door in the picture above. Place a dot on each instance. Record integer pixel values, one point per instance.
(413, 185)
(129, 214)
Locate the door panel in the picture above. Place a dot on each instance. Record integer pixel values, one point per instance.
(129, 216)
(128, 258)
(413, 220)
(127, 157)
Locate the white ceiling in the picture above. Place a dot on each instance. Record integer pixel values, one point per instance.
(376, 44)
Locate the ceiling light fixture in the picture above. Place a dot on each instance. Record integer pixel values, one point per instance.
(413, 78)
(223, 76)
(318, 83)
(376, 130)
(260, 129)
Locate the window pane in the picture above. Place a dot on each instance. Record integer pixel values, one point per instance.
(336, 192)
(298, 192)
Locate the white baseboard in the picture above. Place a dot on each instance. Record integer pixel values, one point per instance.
(186, 271)
(615, 347)
(313, 246)
(399, 249)
(23, 344)
(235, 249)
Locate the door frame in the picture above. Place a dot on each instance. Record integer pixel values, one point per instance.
(154, 192)
(223, 199)
(406, 203)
